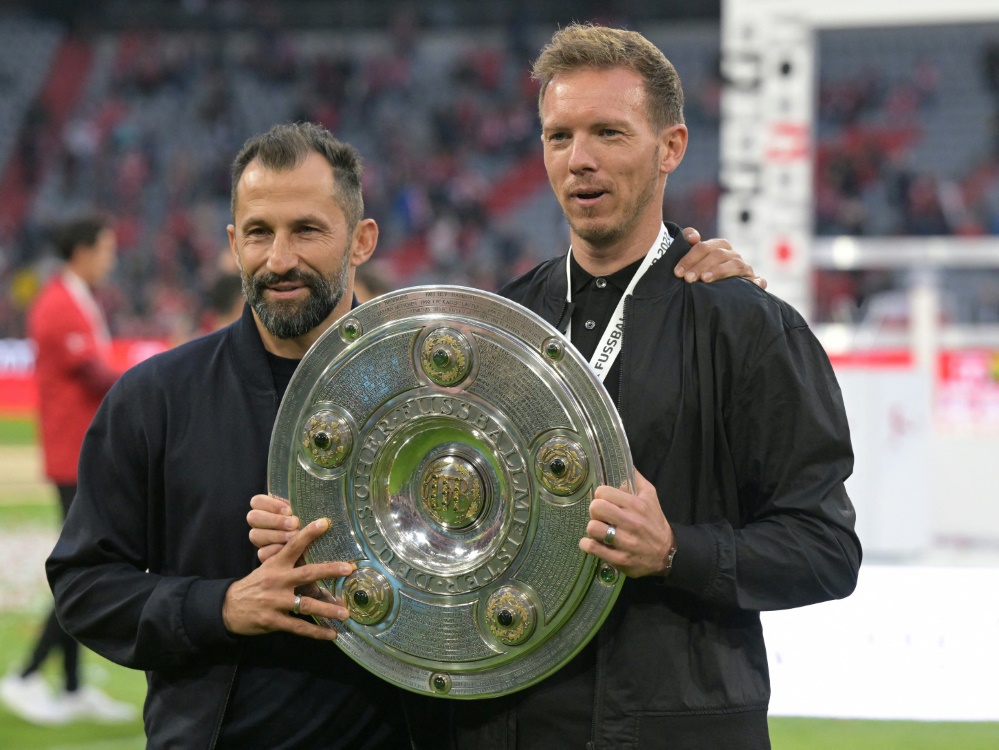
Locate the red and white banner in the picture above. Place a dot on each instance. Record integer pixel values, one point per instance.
(18, 395)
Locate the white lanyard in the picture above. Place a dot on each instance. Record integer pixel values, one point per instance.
(606, 353)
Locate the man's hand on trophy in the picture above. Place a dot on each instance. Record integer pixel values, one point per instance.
(629, 530)
(269, 598)
(272, 525)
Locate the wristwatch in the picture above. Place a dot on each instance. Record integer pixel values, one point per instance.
(669, 560)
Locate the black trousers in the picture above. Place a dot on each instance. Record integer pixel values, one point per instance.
(52, 635)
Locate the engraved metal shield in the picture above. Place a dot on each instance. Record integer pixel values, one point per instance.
(455, 440)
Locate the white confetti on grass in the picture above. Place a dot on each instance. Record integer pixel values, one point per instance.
(23, 587)
(25, 544)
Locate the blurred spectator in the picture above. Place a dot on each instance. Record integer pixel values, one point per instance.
(371, 280)
(226, 296)
(922, 211)
(73, 373)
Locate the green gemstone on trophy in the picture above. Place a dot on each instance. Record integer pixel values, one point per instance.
(350, 329)
(327, 438)
(441, 683)
(608, 574)
(553, 349)
(446, 356)
(511, 615)
(562, 466)
(368, 595)
(442, 358)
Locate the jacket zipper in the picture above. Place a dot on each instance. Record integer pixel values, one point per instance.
(620, 370)
(561, 316)
(232, 678)
(592, 744)
(225, 705)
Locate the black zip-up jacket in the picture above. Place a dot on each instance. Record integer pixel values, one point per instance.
(733, 412)
(158, 532)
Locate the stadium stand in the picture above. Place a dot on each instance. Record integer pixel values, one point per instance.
(446, 119)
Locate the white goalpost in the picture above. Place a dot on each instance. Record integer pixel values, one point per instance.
(901, 417)
(767, 132)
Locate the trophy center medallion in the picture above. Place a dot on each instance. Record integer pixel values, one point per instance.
(452, 491)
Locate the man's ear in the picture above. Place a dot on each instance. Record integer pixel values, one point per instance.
(364, 241)
(674, 145)
(232, 245)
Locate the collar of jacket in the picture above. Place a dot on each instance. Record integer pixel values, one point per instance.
(249, 355)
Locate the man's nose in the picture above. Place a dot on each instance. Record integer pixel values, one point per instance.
(581, 156)
(282, 257)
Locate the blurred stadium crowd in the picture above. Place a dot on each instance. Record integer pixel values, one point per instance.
(909, 132)
(142, 123)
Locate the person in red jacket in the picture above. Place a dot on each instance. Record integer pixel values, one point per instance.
(73, 373)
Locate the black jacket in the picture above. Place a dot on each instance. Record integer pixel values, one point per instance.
(158, 532)
(733, 412)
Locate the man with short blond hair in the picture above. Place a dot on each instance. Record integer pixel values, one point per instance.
(733, 415)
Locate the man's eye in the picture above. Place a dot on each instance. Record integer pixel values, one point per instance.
(610, 132)
(557, 137)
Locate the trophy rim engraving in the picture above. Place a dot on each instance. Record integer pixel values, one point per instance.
(474, 437)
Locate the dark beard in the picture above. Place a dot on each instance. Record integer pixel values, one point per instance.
(289, 320)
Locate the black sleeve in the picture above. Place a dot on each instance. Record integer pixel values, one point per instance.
(791, 454)
(105, 595)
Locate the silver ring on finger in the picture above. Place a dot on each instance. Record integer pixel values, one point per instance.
(609, 536)
(296, 608)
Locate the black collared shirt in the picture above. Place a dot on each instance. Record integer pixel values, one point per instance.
(594, 300)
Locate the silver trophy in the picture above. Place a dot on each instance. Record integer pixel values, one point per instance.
(455, 440)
